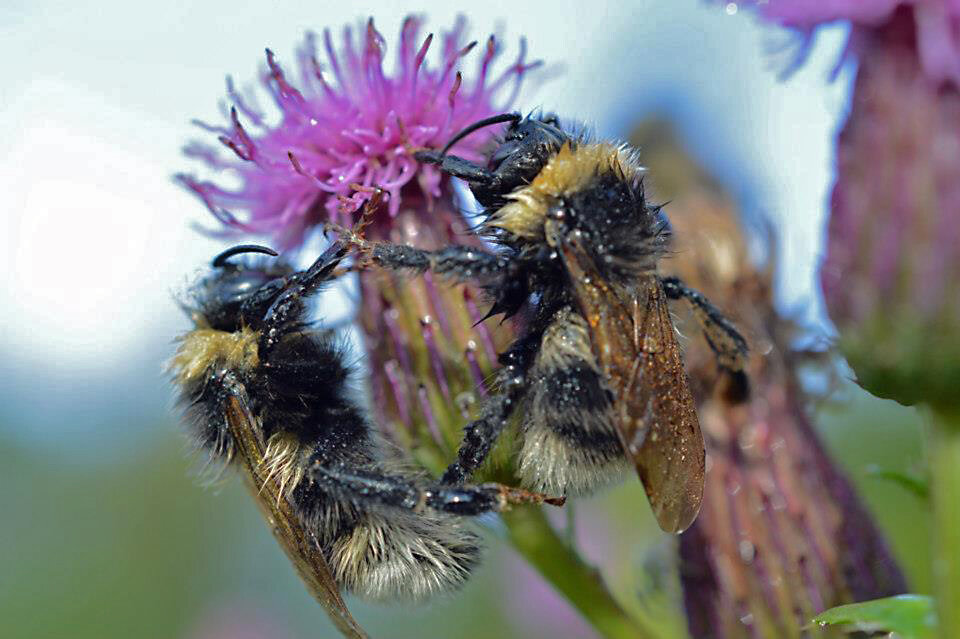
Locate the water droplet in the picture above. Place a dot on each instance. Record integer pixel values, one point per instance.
(778, 502)
(747, 550)
(765, 347)
(731, 8)
(464, 401)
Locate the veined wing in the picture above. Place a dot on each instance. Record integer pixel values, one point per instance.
(299, 543)
(656, 417)
(672, 458)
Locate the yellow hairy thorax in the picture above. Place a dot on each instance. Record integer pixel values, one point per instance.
(205, 347)
(570, 170)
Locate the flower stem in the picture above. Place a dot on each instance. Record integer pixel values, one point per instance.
(945, 480)
(533, 537)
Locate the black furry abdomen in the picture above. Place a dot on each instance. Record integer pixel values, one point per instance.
(570, 444)
(302, 390)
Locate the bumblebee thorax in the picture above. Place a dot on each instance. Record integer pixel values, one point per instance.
(572, 169)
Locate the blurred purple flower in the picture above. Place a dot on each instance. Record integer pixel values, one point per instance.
(554, 616)
(891, 276)
(238, 620)
(937, 24)
(348, 123)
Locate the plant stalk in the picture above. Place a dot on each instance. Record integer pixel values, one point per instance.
(536, 540)
(945, 489)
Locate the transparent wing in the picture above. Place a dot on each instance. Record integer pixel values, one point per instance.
(671, 458)
(299, 543)
(656, 417)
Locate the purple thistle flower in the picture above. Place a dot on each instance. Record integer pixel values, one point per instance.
(346, 122)
(937, 25)
(891, 275)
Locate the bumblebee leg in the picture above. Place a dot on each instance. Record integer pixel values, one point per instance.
(457, 167)
(399, 492)
(288, 309)
(726, 342)
(463, 263)
(479, 437)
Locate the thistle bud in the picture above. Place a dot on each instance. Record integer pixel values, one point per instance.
(891, 276)
(781, 534)
(429, 356)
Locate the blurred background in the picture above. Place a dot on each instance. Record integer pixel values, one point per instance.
(104, 531)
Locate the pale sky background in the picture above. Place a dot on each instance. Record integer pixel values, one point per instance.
(95, 105)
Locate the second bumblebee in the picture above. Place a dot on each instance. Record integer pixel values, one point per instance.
(598, 370)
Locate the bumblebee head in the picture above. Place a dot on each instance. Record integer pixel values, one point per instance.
(524, 150)
(236, 295)
(527, 146)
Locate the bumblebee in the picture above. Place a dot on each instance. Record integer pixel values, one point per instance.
(266, 392)
(598, 374)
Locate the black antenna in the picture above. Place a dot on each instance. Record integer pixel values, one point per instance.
(221, 260)
(496, 119)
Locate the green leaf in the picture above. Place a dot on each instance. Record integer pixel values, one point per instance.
(911, 482)
(909, 616)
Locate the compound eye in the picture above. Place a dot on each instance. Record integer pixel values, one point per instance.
(234, 290)
(505, 150)
(514, 134)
